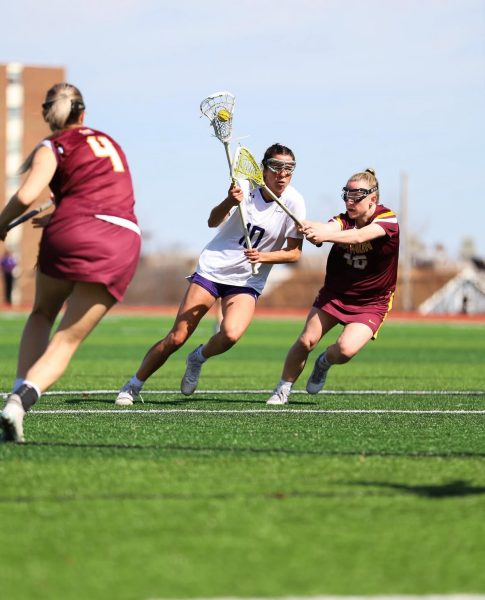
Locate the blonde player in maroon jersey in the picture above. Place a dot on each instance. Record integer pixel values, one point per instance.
(80, 262)
(359, 283)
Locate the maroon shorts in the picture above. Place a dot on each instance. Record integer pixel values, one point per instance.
(371, 314)
(84, 248)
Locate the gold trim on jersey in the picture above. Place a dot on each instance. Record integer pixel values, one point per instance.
(389, 213)
(339, 221)
(389, 308)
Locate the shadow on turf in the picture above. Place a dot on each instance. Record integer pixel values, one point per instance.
(445, 490)
(452, 489)
(252, 450)
(181, 400)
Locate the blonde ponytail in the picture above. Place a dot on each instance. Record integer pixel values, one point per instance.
(62, 107)
(58, 113)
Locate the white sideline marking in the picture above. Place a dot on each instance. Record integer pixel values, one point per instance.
(323, 393)
(407, 597)
(249, 411)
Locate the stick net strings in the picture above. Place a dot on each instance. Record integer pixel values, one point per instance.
(245, 166)
(219, 108)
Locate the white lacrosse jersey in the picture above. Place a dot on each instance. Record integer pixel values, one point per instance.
(223, 260)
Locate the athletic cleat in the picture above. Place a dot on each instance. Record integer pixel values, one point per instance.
(280, 396)
(12, 419)
(191, 376)
(316, 381)
(128, 394)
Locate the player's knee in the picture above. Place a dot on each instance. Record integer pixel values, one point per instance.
(346, 352)
(306, 343)
(45, 312)
(176, 339)
(67, 340)
(230, 335)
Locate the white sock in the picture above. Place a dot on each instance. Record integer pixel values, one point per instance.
(287, 385)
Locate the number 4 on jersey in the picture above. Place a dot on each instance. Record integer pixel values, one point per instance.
(103, 148)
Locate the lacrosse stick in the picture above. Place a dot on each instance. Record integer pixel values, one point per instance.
(30, 214)
(218, 108)
(245, 166)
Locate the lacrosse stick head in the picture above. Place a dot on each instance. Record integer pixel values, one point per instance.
(218, 108)
(246, 167)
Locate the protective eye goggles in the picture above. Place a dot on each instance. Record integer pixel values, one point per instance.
(277, 166)
(356, 195)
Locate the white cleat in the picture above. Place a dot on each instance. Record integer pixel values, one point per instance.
(279, 397)
(317, 378)
(12, 420)
(128, 394)
(191, 376)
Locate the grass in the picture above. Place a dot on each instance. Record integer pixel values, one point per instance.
(172, 504)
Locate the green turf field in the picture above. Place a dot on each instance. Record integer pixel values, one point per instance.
(216, 495)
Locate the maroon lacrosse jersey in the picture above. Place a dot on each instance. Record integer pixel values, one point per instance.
(92, 180)
(365, 272)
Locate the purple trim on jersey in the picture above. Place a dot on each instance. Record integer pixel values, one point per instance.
(371, 314)
(221, 290)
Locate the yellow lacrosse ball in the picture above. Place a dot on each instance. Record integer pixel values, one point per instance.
(223, 115)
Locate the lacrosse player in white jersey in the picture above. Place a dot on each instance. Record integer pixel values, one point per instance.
(225, 270)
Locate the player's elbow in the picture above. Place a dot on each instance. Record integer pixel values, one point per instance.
(213, 222)
(360, 237)
(294, 255)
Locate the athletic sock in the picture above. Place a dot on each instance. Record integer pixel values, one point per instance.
(199, 356)
(323, 362)
(28, 393)
(283, 384)
(17, 383)
(137, 383)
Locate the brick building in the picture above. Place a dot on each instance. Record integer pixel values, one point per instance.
(22, 91)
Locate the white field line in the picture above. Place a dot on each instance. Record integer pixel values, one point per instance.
(270, 391)
(253, 411)
(383, 597)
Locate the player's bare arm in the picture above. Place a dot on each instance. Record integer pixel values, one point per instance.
(330, 232)
(289, 254)
(38, 178)
(314, 229)
(219, 213)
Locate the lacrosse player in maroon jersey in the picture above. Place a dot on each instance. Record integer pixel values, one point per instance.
(359, 283)
(89, 248)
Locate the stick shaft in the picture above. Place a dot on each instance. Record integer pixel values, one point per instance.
(285, 208)
(29, 215)
(242, 216)
(282, 205)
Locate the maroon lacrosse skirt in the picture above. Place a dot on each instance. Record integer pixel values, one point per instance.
(84, 248)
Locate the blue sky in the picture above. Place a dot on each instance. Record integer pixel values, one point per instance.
(398, 85)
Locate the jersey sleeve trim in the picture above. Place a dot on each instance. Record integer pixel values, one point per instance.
(338, 219)
(386, 217)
